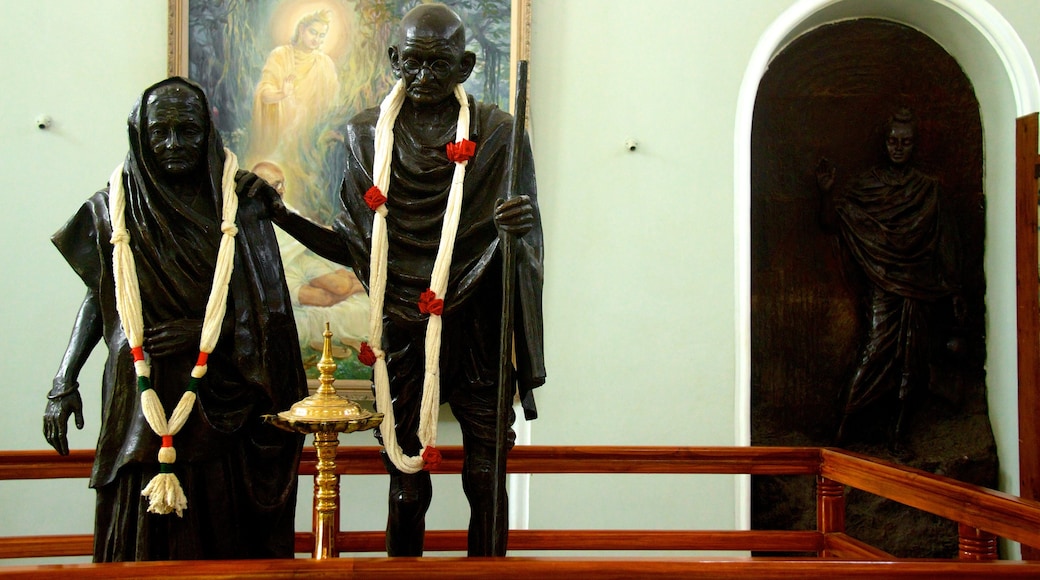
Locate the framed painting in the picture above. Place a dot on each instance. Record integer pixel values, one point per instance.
(283, 77)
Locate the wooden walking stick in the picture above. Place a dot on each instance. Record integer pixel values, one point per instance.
(506, 383)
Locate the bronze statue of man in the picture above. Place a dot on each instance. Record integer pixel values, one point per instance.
(890, 221)
(171, 208)
(400, 206)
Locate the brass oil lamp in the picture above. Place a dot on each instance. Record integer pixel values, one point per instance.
(325, 415)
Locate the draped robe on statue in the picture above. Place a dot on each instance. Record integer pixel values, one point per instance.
(419, 184)
(892, 225)
(239, 475)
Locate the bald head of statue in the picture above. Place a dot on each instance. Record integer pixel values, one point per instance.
(431, 55)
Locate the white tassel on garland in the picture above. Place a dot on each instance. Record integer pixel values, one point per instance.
(164, 491)
(430, 403)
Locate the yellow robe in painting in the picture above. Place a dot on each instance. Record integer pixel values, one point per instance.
(280, 126)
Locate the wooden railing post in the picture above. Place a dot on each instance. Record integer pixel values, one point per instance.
(830, 505)
(975, 544)
(830, 508)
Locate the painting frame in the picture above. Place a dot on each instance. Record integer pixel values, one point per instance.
(180, 30)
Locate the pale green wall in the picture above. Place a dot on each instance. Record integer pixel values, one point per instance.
(1002, 367)
(641, 269)
(640, 307)
(83, 63)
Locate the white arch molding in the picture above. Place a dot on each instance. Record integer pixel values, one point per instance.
(1000, 68)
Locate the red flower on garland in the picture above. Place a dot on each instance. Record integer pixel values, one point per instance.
(374, 198)
(431, 458)
(430, 304)
(367, 356)
(461, 151)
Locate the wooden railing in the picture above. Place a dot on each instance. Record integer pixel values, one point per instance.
(982, 515)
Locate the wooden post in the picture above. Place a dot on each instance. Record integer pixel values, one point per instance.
(975, 544)
(830, 508)
(1028, 282)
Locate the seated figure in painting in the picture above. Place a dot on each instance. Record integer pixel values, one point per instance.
(198, 350)
(321, 291)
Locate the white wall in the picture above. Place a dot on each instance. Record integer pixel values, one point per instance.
(1000, 141)
(641, 269)
(640, 297)
(83, 63)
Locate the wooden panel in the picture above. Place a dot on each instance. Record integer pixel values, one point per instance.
(1028, 302)
(522, 459)
(650, 540)
(519, 540)
(45, 464)
(552, 459)
(999, 513)
(46, 546)
(541, 568)
(725, 460)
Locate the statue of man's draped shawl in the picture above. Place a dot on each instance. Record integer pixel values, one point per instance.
(892, 225)
(418, 192)
(239, 474)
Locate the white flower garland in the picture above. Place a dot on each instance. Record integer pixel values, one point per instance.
(430, 404)
(164, 490)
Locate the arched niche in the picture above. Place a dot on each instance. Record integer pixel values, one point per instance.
(825, 99)
(998, 65)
